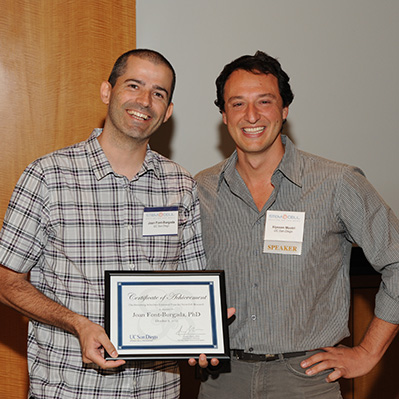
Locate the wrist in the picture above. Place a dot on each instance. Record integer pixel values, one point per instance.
(78, 324)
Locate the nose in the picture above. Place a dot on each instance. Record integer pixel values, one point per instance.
(252, 114)
(144, 98)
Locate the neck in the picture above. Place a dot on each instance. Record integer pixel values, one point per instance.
(125, 154)
(260, 166)
(256, 169)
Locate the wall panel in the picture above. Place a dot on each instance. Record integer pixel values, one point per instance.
(54, 55)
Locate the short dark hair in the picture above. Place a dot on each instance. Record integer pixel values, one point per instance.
(258, 63)
(150, 55)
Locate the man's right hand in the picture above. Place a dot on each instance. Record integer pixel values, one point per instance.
(94, 342)
(18, 293)
(202, 360)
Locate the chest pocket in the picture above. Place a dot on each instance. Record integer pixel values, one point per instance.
(157, 252)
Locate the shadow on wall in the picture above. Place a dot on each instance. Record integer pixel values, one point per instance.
(162, 139)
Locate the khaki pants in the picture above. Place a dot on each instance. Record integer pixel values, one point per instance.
(279, 379)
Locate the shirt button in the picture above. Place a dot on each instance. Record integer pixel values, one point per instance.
(255, 285)
(251, 349)
(253, 317)
(129, 227)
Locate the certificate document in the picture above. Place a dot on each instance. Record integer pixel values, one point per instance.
(166, 315)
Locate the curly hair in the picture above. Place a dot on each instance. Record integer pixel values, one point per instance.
(258, 63)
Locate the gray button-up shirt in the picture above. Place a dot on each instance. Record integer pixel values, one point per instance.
(288, 302)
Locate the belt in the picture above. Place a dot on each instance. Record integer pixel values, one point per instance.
(241, 355)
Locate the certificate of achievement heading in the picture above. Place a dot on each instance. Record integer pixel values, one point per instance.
(172, 315)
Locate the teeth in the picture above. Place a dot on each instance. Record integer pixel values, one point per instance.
(138, 114)
(253, 130)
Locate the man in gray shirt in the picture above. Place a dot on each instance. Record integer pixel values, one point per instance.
(282, 223)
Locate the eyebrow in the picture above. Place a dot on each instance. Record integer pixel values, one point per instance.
(259, 96)
(141, 82)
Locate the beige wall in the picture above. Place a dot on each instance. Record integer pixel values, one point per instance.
(54, 55)
(341, 56)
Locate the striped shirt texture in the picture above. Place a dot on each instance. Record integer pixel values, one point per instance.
(301, 302)
(71, 218)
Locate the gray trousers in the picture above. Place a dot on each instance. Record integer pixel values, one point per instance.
(279, 379)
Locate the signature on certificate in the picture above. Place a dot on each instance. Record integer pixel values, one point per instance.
(185, 332)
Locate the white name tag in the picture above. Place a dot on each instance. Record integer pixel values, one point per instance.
(160, 221)
(284, 232)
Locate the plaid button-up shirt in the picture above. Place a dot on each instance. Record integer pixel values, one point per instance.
(70, 218)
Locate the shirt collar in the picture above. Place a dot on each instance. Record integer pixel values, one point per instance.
(290, 165)
(151, 163)
(101, 165)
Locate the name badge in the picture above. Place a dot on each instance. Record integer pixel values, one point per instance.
(160, 221)
(284, 232)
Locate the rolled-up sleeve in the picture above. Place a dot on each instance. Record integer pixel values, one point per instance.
(372, 224)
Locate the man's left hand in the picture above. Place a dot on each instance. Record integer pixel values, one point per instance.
(357, 361)
(346, 362)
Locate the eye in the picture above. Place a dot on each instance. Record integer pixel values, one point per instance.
(133, 86)
(237, 104)
(159, 94)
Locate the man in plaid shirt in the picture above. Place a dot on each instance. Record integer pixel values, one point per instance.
(78, 212)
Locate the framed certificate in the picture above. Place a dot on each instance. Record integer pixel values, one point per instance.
(166, 314)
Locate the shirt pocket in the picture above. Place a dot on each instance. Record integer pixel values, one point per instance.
(158, 252)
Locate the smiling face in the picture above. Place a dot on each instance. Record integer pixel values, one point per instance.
(254, 111)
(139, 101)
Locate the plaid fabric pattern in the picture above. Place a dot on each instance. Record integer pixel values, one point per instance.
(288, 303)
(71, 218)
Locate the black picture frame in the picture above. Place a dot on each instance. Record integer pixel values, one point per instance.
(166, 315)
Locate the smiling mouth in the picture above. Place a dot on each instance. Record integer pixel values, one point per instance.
(138, 115)
(253, 130)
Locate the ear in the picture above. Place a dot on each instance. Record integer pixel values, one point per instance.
(168, 113)
(105, 92)
(285, 112)
(224, 117)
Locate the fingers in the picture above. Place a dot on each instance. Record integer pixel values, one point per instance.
(108, 346)
(310, 361)
(97, 357)
(345, 362)
(94, 342)
(111, 364)
(104, 364)
(318, 362)
(334, 376)
(203, 361)
(192, 362)
(214, 362)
